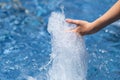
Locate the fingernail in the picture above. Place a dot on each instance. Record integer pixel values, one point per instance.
(67, 20)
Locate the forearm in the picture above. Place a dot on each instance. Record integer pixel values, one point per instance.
(109, 17)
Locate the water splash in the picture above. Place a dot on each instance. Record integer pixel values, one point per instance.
(68, 51)
(62, 8)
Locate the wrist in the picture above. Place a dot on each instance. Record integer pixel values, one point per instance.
(96, 25)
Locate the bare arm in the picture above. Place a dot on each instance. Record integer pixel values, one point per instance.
(109, 17)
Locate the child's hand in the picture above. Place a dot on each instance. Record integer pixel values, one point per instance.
(83, 27)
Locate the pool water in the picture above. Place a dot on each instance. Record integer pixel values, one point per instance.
(25, 44)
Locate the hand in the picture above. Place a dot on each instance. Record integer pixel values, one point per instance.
(83, 27)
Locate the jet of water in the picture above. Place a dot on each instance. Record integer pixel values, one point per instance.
(68, 57)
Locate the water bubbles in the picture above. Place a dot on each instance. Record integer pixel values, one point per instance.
(102, 51)
(62, 8)
(30, 78)
(27, 11)
(106, 30)
(7, 51)
(25, 57)
(2, 5)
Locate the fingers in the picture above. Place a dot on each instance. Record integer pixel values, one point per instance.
(70, 30)
(77, 22)
(72, 21)
(75, 31)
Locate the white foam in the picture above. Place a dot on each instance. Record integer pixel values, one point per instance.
(68, 51)
(30, 78)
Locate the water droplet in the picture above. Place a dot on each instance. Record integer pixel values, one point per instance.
(62, 8)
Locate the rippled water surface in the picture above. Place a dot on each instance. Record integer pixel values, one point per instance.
(25, 42)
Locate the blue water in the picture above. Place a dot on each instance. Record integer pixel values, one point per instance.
(25, 42)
